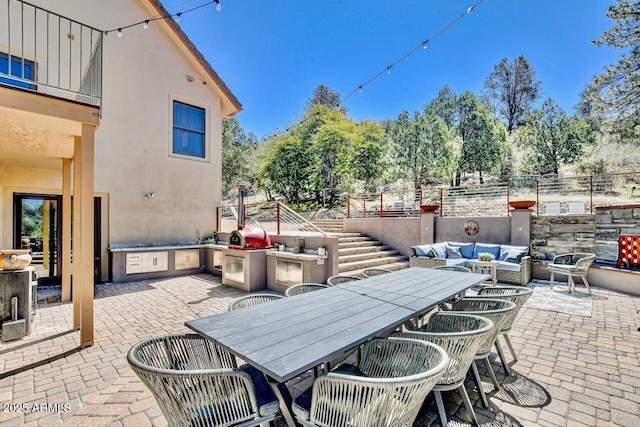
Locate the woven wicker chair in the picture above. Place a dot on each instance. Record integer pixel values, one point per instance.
(370, 272)
(196, 383)
(517, 295)
(303, 288)
(338, 280)
(387, 388)
(575, 264)
(460, 335)
(255, 299)
(500, 312)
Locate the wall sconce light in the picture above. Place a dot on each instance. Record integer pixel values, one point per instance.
(190, 78)
(148, 196)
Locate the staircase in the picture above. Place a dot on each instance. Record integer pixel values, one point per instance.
(330, 225)
(357, 252)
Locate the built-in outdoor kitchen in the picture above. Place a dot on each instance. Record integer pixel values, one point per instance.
(247, 258)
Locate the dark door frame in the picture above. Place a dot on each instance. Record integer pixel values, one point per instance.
(17, 230)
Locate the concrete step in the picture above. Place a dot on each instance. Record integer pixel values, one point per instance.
(359, 244)
(393, 267)
(329, 225)
(374, 262)
(345, 259)
(362, 249)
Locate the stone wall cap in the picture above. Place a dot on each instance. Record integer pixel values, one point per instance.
(617, 207)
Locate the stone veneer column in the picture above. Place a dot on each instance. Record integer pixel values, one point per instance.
(521, 227)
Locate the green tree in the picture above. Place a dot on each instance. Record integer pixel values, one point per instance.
(483, 138)
(444, 106)
(325, 96)
(423, 147)
(511, 90)
(238, 150)
(552, 139)
(369, 157)
(616, 92)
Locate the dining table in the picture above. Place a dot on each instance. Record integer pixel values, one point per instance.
(287, 337)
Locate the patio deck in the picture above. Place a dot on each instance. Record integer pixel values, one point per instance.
(573, 369)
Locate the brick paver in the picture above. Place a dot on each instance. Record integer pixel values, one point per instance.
(586, 368)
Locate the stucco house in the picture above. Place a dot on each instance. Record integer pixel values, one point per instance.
(124, 125)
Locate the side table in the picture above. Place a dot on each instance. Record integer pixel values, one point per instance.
(485, 267)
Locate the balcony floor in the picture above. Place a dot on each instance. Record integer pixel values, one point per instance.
(572, 369)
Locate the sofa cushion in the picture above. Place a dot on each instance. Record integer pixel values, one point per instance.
(514, 255)
(439, 250)
(423, 250)
(509, 266)
(453, 252)
(460, 262)
(488, 248)
(504, 251)
(466, 249)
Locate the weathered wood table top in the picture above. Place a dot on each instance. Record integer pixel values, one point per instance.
(287, 337)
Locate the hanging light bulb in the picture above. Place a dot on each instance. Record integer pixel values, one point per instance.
(389, 69)
(359, 89)
(218, 6)
(120, 32)
(424, 45)
(178, 15)
(470, 9)
(146, 25)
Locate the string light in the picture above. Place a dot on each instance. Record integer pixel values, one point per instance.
(387, 69)
(176, 17)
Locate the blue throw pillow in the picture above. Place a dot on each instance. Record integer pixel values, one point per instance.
(514, 255)
(439, 250)
(453, 252)
(484, 247)
(466, 249)
(423, 250)
(504, 251)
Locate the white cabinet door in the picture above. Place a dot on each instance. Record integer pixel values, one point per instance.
(186, 259)
(155, 261)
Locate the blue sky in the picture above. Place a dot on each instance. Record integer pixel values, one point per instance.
(273, 54)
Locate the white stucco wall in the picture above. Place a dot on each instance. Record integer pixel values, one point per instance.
(142, 71)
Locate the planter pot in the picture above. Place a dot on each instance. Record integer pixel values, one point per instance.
(14, 259)
(429, 208)
(522, 204)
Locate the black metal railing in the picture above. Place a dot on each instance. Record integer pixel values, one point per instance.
(47, 53)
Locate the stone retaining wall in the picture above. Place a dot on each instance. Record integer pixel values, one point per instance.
(557, 234)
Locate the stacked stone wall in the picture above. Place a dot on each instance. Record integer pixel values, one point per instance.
(552, 235)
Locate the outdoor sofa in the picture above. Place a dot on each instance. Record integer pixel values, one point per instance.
(514, 261)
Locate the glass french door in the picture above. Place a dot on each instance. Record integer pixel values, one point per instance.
(38, 222)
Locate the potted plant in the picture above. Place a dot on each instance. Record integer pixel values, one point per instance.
(486, 256)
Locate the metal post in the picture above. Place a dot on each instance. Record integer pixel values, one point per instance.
(537, 197)
(349, 206)
(278, 216)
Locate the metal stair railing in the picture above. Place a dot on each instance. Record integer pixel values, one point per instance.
(273, 217)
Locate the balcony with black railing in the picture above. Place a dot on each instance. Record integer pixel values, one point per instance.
(49, 54)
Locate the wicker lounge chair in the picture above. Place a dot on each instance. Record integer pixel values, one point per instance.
(460, 335)
(370, 272)
(255, 299)
(574, 264)
(196, 383)
(387, 388)
(517, 295)
(337, 280)
(303, 288)
(500, 313)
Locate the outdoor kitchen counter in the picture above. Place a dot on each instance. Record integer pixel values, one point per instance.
(297, 256)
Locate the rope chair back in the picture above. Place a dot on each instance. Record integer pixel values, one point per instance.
(250, 300)
(581, 261)
(303, 288)
(516, 294)
(370, 272)
(194, 382)
(399, 373)
(500, 312)
(457, 268)
(337, 280)
(460, 335)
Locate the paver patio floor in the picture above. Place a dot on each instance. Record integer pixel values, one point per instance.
(572, 370)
